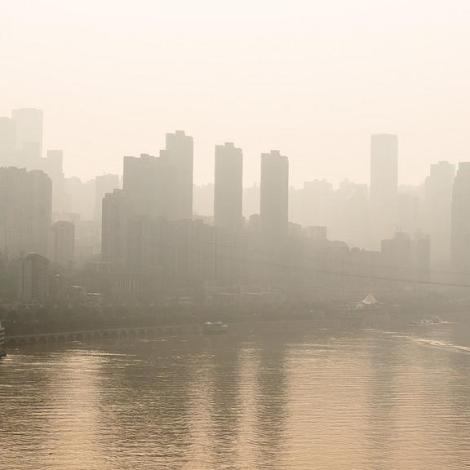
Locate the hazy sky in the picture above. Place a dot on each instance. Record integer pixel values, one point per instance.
(311, 78)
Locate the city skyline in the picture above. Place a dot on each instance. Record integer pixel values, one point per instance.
(234, 234)
(252, 165)
(313, 81)
(130, 222)
(50, 158)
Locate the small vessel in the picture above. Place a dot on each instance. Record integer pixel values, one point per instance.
(3, 351)
(434, 320)
(214, 328)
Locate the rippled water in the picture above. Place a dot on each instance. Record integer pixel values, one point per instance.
(276, 398)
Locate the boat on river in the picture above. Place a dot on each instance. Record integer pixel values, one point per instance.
(214, 328)
(3, 351)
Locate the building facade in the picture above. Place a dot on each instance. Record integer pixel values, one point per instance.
(228, 187)
(274, 195)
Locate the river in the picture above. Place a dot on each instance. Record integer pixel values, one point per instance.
(272, 398)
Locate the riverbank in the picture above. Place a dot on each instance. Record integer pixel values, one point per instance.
(54, 326)
(40, 339)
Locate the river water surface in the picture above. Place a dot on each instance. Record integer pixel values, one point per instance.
(275, 398)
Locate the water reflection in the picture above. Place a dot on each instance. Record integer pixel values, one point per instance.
(262, 399)
(382, 402)
(272, 401)
(225, 403)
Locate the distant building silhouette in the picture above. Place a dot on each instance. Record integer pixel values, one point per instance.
(104, 184)
(408, 210)
(438, 208)
(148, 183)
(422, 256)
(397, 256)
(7, 141)
(350, 223)
(228, 187)
(25, 211)
(274, 195)
(114, 232)
(313, 204)
(179, 154)
(79, 198)
(383, 185)
(154, 188)
(316, 232)
(52, 165)
(460, 234)
(29, 124)
(63, 243)
(406, 258)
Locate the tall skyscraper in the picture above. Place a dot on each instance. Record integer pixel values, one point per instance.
(228, 187)
(274, 195)
(7, 141)
(25, 211)
(179, 154)
(148, 183)
(460, 232)
(28, 136)
(383, 186)
(438, 205)
(40, 211)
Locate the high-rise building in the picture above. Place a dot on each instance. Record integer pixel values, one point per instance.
(460, 228)
(29, 135)
(438, 204)
(40, 215)
(383, 185)
(114, 234)
(25, 211)
(104, 184)
(274, 195)
(147, 181)
(7, 141)
(179, 154)
(63, 243)
(228, 187)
